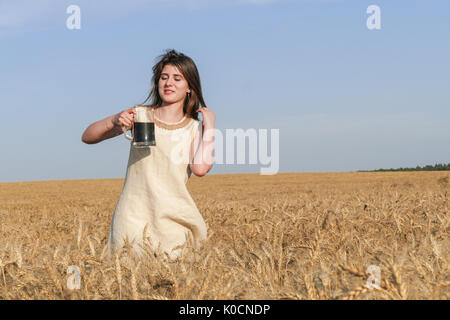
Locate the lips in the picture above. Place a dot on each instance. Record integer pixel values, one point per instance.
(168, 91)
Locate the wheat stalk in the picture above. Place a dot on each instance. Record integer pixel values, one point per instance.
(205, 285)
(3, 271)
(91, 246)
(280, 258)
(316, 245)
(227, 288)
(55, 279)
(309, 286)
(398, 279)
(222, 279)
(104, 252)
(173, 279)
(118, 274)
(354, 271)
(157, 297)
(33, 253)
(80, 231)
(290, 296)
(355, 293)
(55, 253)
(134, 286)
(18, 251)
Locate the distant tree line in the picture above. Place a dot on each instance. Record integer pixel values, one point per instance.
(436, 167)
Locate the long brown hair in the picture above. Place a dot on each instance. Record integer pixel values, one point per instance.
(189, 70)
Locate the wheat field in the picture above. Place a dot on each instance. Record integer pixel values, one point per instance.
(286, 236)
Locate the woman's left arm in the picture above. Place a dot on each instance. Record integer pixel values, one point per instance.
(202, 148)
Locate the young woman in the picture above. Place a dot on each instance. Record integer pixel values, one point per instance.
(155, 205)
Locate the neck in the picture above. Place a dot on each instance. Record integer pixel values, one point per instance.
(170, 112)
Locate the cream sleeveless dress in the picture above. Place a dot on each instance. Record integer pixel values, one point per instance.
(155, 198)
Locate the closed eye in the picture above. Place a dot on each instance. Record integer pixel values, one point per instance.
(165, 78)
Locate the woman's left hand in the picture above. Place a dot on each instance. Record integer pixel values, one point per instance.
(208, 117)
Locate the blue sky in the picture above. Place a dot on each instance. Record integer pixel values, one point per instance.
(344, 97)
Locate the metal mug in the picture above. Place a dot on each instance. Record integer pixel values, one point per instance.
(143, 130)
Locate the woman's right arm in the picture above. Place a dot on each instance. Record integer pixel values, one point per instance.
(109, 127)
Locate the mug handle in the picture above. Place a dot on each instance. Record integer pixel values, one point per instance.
(125, 133)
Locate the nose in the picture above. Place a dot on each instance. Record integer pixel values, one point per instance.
(168, 82)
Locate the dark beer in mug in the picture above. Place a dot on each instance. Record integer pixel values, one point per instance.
(144, 134)
(143, 130)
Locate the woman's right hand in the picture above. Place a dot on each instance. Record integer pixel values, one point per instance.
(125, 118)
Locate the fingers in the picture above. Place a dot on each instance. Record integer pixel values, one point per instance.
(206, 111)
(126, 118)
(126, 122)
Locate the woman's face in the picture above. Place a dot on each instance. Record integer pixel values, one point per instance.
(172, 86)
